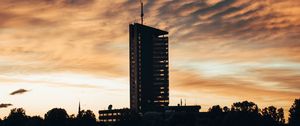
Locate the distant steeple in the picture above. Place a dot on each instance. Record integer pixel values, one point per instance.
(79, 109)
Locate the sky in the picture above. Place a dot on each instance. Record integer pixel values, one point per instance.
(55, 53)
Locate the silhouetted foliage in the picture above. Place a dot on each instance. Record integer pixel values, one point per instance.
(281, 119)
(226, 109)
(244, 106)
(243, 114)
(242, 119)
(215, 109)
(56, 117)
(35, 121)
(72, 121)
(272, 116)
(86, 118)
(294, 119)
(17, 117)
(240, 114)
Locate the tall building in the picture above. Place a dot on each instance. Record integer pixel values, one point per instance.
(149, 68)
(149, 75)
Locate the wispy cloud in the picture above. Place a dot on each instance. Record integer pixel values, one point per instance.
(4, 105)
(19, 91)
(222, 47)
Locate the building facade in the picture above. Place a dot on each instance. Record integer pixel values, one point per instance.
(115, 115)
(149, 68)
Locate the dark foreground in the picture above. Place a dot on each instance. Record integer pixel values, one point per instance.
(240, 114)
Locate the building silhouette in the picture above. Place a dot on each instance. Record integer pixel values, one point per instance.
(111, 116)
(149, 68)
(149, 76)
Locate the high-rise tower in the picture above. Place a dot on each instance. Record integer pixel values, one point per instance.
(149, 68)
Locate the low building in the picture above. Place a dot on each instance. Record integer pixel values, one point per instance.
(112, 116)
(188, 109)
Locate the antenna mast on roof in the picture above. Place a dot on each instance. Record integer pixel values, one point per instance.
(142, 12)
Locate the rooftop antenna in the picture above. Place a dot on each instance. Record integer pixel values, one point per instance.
(142, 12)
(180, 102)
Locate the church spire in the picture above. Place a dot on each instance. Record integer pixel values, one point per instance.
(79, 109)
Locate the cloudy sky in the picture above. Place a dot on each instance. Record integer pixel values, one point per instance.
(55, 53)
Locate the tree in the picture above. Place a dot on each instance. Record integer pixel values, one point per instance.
(245, 106)
(86, 118)
(56, 117)
(226, 109)
(216, 114)
(242, 114)
(272, 116)
(0, 122)
(294, 119)
(281, 119)
(17, 117)
(215, 109)
(35, 121)
(72, 121)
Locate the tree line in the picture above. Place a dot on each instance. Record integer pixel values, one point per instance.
(244, 113)
(54, 117)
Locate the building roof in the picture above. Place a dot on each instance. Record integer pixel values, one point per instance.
(160, 32)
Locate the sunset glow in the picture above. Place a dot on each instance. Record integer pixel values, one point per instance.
(221, 52)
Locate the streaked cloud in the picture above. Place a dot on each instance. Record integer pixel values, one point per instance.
(4, 105)
(226, 49)
(19, 91)
(286, 78)
(233, 86)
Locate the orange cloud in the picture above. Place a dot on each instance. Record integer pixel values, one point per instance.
(253, 45)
